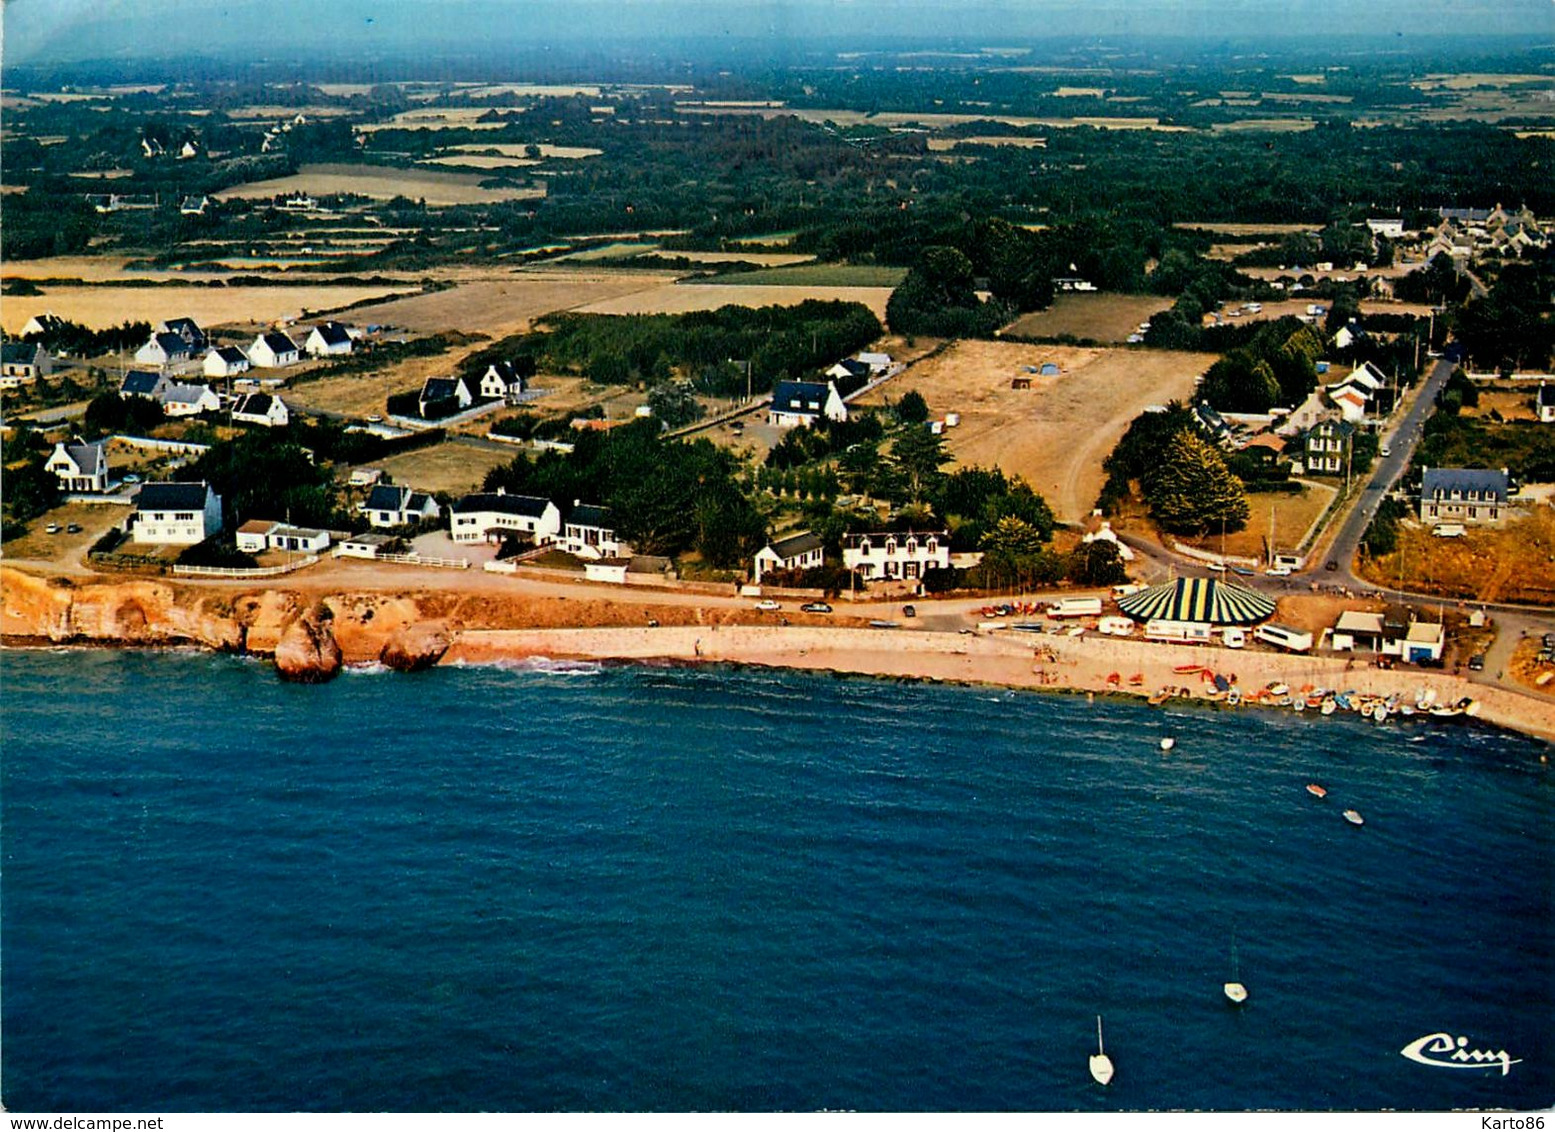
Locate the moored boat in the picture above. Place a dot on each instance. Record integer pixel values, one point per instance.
(1316, 791)
(1354, 817)
(1101, 1064)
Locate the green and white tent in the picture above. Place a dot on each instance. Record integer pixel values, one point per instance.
(1205, 600)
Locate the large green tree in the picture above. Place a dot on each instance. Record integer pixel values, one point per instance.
(1191, 491)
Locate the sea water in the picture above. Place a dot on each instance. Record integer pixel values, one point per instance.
(645, 888)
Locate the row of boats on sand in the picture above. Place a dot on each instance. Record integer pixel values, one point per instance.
(1325, 701)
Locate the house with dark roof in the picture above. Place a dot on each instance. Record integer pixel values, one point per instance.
(391, 505)
(188, 400)
(177, 514)
(804, 402)
(802, 551)
(80, 467)
(1544, 403)
(503, 382)
(1326, 449)
(849, 369)
(328, 339)
(22, 363)
(485, 516)
(589, 531)
(274, 349)
(1463, 495)
(188, 330)
(261, 409)
(896, 555)
(444, 396)
(225, 361)
(164, 349)
(143, 383)
(253, 537)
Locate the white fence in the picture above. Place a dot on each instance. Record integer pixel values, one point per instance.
(179, 446)
(243, 571)
(424, 560)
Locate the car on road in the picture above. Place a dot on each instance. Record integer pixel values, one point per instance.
(374, 418)
(1477, 663)
(909, 611)
(73, 529)
(132, 478)
(1331, 564)
(1218, 567)
(1385, 450)
(815, 607)
(769, 605)
(52, 528)
(1278, 571)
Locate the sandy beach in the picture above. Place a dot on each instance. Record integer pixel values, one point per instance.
(1076, 664)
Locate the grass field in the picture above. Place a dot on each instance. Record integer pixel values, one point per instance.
(434, 186)
(803, 274)
(941, 145)
(674, 299)
(1513, 563)
(480, 161)
(519, 149)
(507, 305)
(1056, 433)
(452, 466)
(105, 306)
(1286, 516)
(1102, 317)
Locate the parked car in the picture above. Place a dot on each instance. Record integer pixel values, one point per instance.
(768, 605)
(815, 607)
(132, 478)
(1331, 564)
(52, 528)
(1217, 567)
(73, 529)
(909, 611)
(1384, 450)
(1278, 571)
(1477, 663)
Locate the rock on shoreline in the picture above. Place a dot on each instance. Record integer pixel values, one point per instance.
(307, 652)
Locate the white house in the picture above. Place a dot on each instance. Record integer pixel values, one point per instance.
(22, 363)
(389, 505)
(502, 381)
(849, 369)
(253, 537)
(143, 383)
(188, 400)
(439, 389)
(366, 545)
(484, 515)
(804, 402)
(188, 330)
(801, 551)
(1344, 338)
(261, 409)
(80, 467)
(180, 514)
(1368, 377)
(896, 554)
(1105, 533)
(164, 349)
(589, 531)
(194, 206)
(877, 363)
(327, 340)
(1463, 495)
(302, 540)
(225, 361)
(274, 349)
(1387, 226)
(1350, 400)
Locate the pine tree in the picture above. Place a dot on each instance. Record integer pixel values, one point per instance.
(1191, 491)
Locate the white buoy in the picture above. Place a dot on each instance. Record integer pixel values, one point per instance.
(1168, 743)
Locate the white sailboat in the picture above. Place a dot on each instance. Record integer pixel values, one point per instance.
(1234, 990)
(1101, 1064)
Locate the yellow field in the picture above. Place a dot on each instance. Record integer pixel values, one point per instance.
(672, 299)
(1103, 317)
(505, 306)
(1056, 433)
(477, 161)
(1515, 562)
(452, 467)
(433, 186)
(515, 149)
(940, 145)
(1265, 125)
(91, 269)
(100, 307)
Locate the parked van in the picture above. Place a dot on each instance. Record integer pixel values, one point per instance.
(1448, 530)
(1293, 561)
(1234, 637)
(1283, 636)
(1129, 588)
(1075, 607)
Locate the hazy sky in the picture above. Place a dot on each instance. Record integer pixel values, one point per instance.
(58, 30)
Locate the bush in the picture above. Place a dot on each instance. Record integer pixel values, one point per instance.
(216, 551)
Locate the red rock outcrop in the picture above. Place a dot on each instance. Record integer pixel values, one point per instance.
(415, 647)
(307, 652)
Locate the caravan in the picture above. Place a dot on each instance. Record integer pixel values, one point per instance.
(1283, 636)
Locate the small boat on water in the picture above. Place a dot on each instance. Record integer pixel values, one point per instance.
(1316, 791)
(1278, 689)
(1101, 1064)
(1168, 743)
(1234, 990)
(1354, 817)
(1368, 709)
(1328, 706)
(1343, 700)
(1446, 712)
(1380, 713)
(1298, 704)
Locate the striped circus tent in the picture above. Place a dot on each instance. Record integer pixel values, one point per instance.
(1205, 600)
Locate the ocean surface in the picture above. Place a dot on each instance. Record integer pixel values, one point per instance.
(636, 888)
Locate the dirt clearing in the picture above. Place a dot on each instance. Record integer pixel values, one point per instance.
(433, 186)
(1103, 318)
(500, 307)
(1057, 432)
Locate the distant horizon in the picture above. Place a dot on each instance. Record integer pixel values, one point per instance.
(71, 33)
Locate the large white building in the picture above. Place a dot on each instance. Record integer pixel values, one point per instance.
(893, 555)
(180, 514)
(487, 514)
(80, 467)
